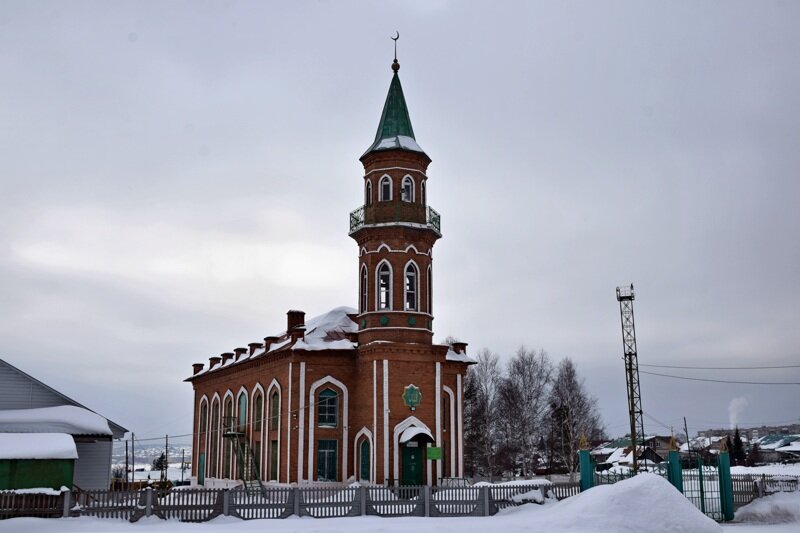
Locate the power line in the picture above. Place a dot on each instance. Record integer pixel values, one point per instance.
(722, 367)
(721, 380)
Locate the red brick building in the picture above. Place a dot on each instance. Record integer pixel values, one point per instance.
(361, 394)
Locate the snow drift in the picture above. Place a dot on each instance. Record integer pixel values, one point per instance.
(775, 509)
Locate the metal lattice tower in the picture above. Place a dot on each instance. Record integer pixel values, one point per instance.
(625, 297)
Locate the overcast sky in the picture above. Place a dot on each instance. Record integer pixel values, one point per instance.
(177, 175)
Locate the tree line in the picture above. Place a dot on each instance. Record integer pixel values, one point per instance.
(527, 416)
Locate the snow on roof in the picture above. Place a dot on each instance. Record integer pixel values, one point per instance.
(773, 442)
(37, 446)
(329, 331)
(452, 355)
(59, 419)
(398, 141)
(413, 431)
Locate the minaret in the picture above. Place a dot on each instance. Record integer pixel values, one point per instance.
(395, 231)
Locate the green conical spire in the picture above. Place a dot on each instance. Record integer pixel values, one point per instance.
(394, 130)
(394, 119)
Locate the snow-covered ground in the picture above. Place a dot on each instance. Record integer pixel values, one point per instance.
(644, 503)
(776, 469)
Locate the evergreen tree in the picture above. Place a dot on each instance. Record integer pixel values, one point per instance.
(737, 453)
(160, 462)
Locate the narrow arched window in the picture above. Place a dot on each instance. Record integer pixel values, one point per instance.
(430, 294)
(368, 193)
(384, 286)
(242, 412)
(258, 411)
(407, 192)
(422, 192)
(364, 289)
(212, 469)
(411, 287)
(275, 412)
(386, 189)
(328, 408)
(203, 416)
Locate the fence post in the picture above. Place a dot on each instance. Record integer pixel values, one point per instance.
(485, 497)
(67, 498)
(296, 494)
(427, 492)
(587, 472)
(702, 486)
(363, 491)
(674, 472)
(148, 501)
(726, 486)
(226, 502)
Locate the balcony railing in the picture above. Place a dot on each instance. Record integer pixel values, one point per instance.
(395, 212)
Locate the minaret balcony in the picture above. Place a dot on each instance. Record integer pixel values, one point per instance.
(387, 213)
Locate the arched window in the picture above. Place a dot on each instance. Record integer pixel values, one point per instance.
(214, 456)
(411, 287)
(274, 413)
(368, 193)
(242, 412)
(203, 416)
(364, 289)
(384, 286)
(227, 454)
(430, 294)
(385, 189)
(328, 408)
(258, 411)
(407, 192)
(422, 192)
(364, 465)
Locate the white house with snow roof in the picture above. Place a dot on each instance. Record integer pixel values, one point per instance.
(41, 424)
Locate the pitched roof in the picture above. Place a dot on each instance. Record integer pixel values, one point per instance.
(117, 430)
(394, 129)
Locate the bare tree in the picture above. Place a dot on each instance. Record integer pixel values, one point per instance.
(573, 414)
(481, 390)
(523, 396)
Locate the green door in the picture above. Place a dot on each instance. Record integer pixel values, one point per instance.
(412, 464)
(365, 457)
(201, 470)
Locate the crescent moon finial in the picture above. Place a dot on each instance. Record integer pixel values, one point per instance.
(395, 65)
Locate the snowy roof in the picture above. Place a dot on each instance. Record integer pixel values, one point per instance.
(452, 355)
(37, 446)
(413, 431)
(327, 331)
(402, 142)
(59, 419)
(773, 442)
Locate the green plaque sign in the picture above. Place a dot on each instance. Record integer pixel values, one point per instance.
(412, 396)
(434, 453)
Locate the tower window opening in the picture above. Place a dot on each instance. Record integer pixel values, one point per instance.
(429, 293)
(422, 192)
(364, 289)
(411, 287)
(386, 189)
(368, 193)
(384, 286)
(407, 192)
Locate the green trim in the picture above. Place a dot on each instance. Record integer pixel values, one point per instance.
(384, 320)
(363, 323)
(412, 321)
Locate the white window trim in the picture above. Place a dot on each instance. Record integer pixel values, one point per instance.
(317, 384)
(258, 389)
(367, 434)
(368, 193)
(380, 188)
(407, 179)
(378, 287)
(265, 426)
(214, 399)
(416, 288)
(452, 429)
(364, 280)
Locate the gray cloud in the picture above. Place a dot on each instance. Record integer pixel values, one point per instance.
(176, 176)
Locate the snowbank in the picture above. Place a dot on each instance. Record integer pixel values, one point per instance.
(775, 509)
(776, 469)
(59, 419)
(37, 446)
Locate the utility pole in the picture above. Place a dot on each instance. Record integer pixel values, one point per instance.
(133, 457)
(625, 297)
(126, 462)
(166, 458)
(688, 439)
